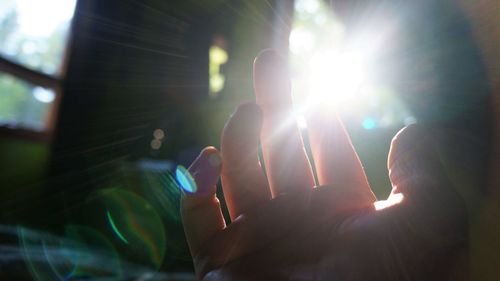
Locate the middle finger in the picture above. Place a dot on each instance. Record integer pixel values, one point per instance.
(285, 159)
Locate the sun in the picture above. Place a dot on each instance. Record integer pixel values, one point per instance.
(334, 78)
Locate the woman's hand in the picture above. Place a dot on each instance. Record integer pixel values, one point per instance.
(286, 228)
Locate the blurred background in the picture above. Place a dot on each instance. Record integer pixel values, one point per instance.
(101, 100)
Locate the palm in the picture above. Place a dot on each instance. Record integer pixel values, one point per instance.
(331, 232)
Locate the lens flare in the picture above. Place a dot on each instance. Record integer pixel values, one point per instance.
(369, 123)
(136, 225)
(90, 248)
(186, 181)
(83, 253)
(115, 229)
(161, 190)
(158, 134)
(334, 77)
(39, 251)
(338, 69)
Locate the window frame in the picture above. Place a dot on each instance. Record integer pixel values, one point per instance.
(39, 78)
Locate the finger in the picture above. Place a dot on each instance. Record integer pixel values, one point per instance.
(243, 180)
(285, 159)
(200, 208)
(336, 160)
(419, 176)
(414, 157)
(432, 211)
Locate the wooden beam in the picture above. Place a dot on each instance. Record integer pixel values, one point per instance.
(27, 74)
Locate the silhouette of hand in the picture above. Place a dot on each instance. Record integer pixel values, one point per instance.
(286, 228)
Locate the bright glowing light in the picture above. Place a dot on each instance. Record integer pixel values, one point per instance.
(335, 66)
(394, 199)
(186, 181)
(308, 6)
(217, 57)
(369, 123)
(155, 144)
(301, 41)
(334, 77)
(301, 121)
(43, 95)
(41, 18)
(158, 134)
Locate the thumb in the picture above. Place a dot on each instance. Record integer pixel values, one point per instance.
(200, 208)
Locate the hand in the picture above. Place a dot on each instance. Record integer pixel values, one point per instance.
(285, 228)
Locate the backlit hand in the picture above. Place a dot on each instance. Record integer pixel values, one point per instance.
(286, 228)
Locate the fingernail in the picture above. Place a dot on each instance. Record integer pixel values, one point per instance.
(246, 118)
(248, 112)
(271, 79)
(202, 176)
(269, 60)
(214, 160)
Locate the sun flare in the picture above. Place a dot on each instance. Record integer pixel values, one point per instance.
(334, 77)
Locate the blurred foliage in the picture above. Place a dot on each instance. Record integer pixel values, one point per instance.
(39, 52)
(13, 95)
(18, 106)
